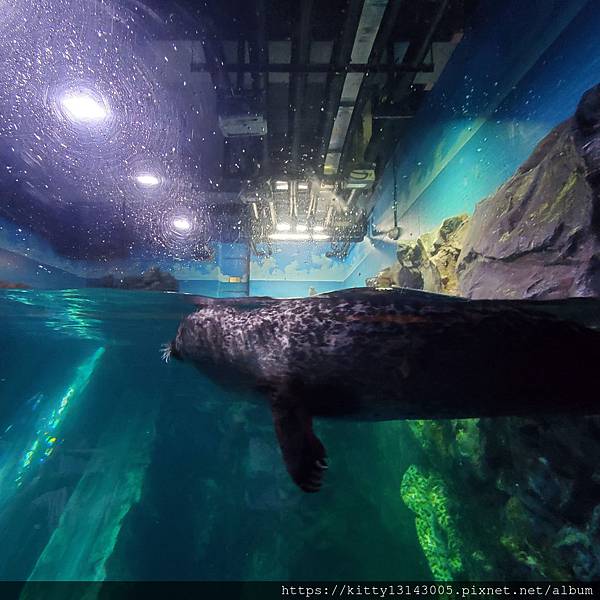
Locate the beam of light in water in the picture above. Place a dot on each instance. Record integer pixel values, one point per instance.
(111, 485)
(47, 434)
(67, 312)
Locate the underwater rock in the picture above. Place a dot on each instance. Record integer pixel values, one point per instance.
(580, 548)
(535, 480)
(538, 236)
(151, 280)
(426, 495)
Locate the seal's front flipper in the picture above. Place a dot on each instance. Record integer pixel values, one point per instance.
(303, 452)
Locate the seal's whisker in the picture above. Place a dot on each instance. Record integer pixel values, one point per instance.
(166, 352)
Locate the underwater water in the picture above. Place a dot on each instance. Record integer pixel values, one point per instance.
(114, 465)
(117, 466)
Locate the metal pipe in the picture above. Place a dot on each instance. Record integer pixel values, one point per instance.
(241, 58)
(273, 213)
(328, 216)
(300, 56)
(263, 77)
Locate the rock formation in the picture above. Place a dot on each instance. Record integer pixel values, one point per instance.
(523, 494)
(151, 280)
(430, 262)
(538, 236)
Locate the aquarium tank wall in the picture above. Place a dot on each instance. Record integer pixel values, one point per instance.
(161, 158)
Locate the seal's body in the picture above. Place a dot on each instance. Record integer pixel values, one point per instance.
(401, 354)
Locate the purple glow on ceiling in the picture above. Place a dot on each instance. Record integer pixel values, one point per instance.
(88, 120)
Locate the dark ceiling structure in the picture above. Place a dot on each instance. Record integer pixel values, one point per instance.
(257, 120)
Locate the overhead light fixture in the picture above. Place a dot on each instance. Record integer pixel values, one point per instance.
(293, 236)
(281, 185)
(283, 227)
(182, 224)
(83, 107)
(303, 186)
(147, 179)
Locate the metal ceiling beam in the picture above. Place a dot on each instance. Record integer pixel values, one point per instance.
(400, 87)
(317, 68)
(380, 45)
(342, 54)
(215, 57)
(376, 24)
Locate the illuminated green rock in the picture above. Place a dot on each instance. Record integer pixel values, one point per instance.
(427, 497)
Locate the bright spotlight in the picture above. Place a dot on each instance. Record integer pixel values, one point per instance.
(83, 107)
(182, 224)
(147, 179)
(283, 226)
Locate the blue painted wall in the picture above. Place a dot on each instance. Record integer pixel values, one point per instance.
(294, 268)
(367, 259)
(292, 289)
(16, 268)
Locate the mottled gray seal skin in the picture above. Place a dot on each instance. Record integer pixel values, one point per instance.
(366, 354)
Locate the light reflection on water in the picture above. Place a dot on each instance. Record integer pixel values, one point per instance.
(84, 314)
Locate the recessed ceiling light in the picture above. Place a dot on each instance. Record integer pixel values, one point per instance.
(83, 107)
(147, 179)
(281, 185)
(182, 224)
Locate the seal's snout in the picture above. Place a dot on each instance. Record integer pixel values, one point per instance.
(170, 351)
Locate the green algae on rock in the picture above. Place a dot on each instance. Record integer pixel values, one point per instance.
(425, 494)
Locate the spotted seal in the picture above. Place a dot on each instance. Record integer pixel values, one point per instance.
(366, 354)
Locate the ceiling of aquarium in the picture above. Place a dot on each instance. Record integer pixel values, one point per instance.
(164, 128)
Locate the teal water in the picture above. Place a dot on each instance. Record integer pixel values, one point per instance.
(114, 465)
